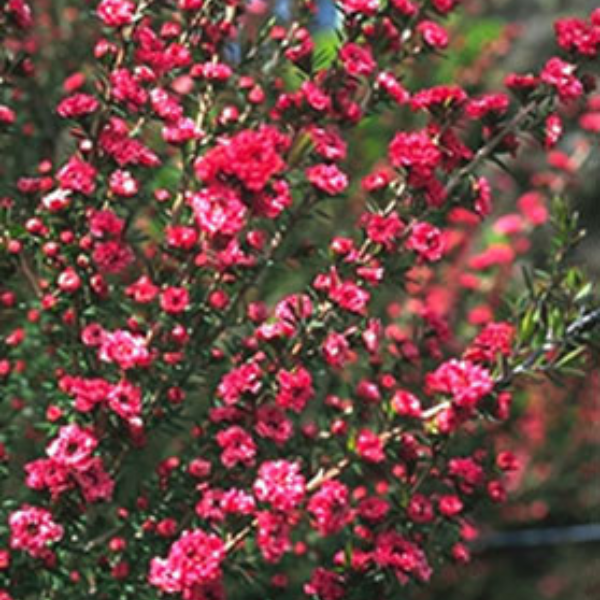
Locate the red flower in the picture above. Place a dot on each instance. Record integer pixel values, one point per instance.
(576, 35)
(244, 379)
(464, 381)
(32, 529)
(273, 535)
(116, 13)
(174, 300)
(78, 176)
(112, 256)
(427, 241)
(420, 509)
(295, 389)
(560, 75)
(330, 508)
(405, 558)
(336, 350)
(349, 296)
(126, 349)
(77, 105)
(326, 585)
(272, 424)
(250, 157)
(365, 7)
(369, 446)
(327, 178)
(219, 211)
(415, 151)
(357, 59)
(126, 400)
(281, 484)
(73, 447)
(194, 561)
(237, 447)
(433, 34)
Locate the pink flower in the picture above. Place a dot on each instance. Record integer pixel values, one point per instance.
(273, 535)
(415, 151)
(237, 446)
(126, 349)
(468, 472)
(112, 256)
(406, 404)
(576, 35)
(272, 424)
(393, 87)
(326, 585)
(281, 484)
(373, 509)
(73, 447)
(116, 13)
(330, 508)
(560, 75)
(315, 97)
(327, 178)
(78, 176)
(77, 105)
(246, 379)
(336, 350)
(46, 474)
(237, 502)
(125, 399)
(126, 88)
(219, 210)
(180, 236)
(357, 59)
(32, 529)
(250, 157)
(295, 389)
(427, 241)
(495, 105)
(433, 34)
(408, 8)
(369, 446)
(194, 561)
(88, 393)
(364, 7)
(495, 340)
(94, 482)
(122, 183)
(21, 11)
(7, 115)
(420, 509)
(106, 224)
(464, 381)
(328, 143)
(450, 505)
(445, 6)
(142, 291)
(442, 97)
(533, 207)
(349, 296)
(405, 558)
(553, 130)
(174, 300)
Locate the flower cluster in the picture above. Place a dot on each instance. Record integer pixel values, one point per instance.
(238, 339)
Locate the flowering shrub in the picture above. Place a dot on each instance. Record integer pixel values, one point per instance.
(181, 422)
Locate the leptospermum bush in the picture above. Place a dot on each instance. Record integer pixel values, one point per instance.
(175, 423)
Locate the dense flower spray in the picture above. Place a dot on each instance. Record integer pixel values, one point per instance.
(209, 392)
